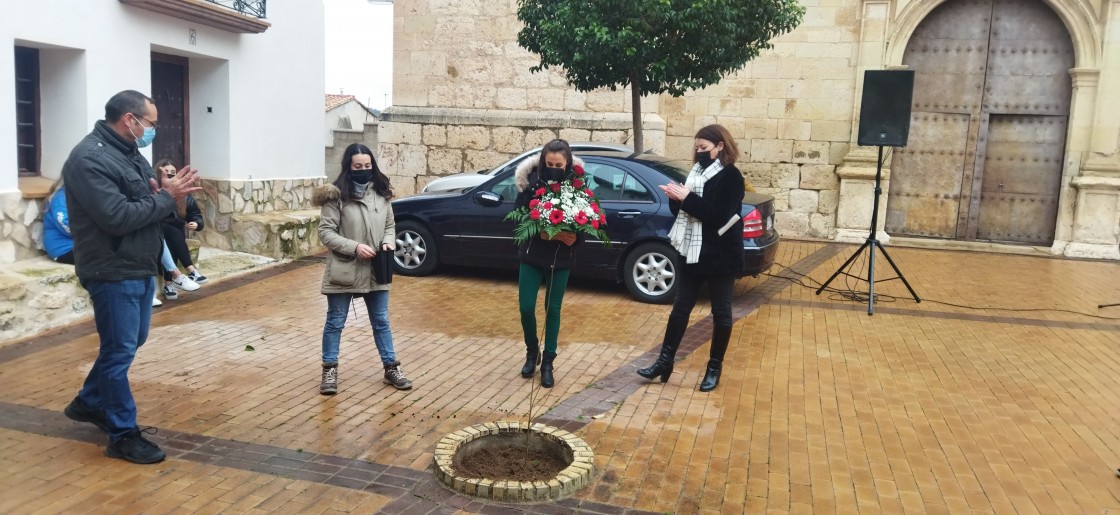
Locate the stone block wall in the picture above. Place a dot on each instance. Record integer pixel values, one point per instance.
(21, 227)
(226, 206)
(418, 145)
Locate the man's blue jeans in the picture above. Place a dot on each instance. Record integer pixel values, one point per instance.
(122, 311)
(377, 304)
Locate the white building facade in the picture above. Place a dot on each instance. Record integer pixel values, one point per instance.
(238, 93)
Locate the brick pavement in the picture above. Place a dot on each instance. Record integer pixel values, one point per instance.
(922, 408)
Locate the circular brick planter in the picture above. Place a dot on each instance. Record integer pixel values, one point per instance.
(576, 476)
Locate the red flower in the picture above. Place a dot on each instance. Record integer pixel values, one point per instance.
(579, 171)
(534, 203)
(580, 218)
(547, 205)
(588, 193)
(535, 214)
(555, 187)
(577, 184)
(595, 224)
(595, 207)
(556, 217)
(540, 191)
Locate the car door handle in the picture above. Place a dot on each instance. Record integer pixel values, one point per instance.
(631, 213)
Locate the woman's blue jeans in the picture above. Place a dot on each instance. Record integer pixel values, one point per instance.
(377, 304)
(122, 311)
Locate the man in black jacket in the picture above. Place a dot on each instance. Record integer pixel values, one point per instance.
(115, 212)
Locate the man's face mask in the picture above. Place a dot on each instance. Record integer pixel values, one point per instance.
(147, 136)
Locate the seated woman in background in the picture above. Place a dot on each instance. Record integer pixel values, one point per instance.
(186, 218)
(56, 226)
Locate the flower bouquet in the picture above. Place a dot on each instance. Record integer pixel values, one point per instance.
(558, 206)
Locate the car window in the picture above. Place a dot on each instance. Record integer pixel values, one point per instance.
(676, 170)
(634, 190)
(507, 188)
(611, 183)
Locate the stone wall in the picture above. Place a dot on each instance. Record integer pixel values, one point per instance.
(420, 144)
(271, 218)
(21, 227)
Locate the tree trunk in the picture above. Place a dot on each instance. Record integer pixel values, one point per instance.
(636, 110)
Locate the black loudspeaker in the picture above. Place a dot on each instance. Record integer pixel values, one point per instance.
(884, 116)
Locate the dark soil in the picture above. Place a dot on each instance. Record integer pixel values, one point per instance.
(510, 463)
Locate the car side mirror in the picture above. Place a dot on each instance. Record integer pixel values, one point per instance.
(488, 198)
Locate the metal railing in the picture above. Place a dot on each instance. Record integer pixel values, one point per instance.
(254, 8)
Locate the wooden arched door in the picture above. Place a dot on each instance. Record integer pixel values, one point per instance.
(988, 125)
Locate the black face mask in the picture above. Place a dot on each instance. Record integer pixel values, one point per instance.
(704, 158)
(552, 174)
(361, 176)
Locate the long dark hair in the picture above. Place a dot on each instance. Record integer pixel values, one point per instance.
(379, 184)
(556, 145)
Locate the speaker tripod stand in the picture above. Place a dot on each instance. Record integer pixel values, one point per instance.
(870, 245)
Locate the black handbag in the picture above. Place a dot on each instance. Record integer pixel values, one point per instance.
(383, 267)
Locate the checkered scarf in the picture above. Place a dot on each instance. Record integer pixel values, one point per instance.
(687, 232)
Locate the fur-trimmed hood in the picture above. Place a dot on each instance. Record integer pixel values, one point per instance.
(529, 163)
(325, 193)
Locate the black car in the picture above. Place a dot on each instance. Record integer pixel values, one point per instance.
(466, 226)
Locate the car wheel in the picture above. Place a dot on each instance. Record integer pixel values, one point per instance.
(651, 272)
(416, 252)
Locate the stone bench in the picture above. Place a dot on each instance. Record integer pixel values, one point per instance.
(38, 294)
(288, 234)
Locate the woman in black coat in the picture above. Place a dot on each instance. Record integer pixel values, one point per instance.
(187, 217)
(708, 233)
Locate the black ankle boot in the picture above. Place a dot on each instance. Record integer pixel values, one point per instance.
(664, 365)
(546, 369)
(711, 376)
(532, 357)
(721, 336)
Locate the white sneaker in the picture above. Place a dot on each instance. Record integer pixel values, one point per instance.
(156, 302)
(185, 283)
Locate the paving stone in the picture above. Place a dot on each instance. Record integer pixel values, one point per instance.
(923, 407)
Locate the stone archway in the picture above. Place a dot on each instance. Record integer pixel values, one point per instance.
(989, 124)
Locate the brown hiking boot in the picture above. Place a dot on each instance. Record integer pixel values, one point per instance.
(329, 385)
(395, 377)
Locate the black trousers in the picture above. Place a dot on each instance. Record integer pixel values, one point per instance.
(720, 289)
(176, 240)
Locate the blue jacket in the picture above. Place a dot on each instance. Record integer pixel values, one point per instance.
(56, 226)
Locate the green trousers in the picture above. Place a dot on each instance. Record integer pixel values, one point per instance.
(529, 281)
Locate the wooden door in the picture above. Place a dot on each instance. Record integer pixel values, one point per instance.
(170, 92)
(988, 124)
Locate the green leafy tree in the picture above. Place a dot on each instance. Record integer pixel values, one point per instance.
(652, 46)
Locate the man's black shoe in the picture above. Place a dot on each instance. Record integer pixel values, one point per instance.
(135, 448)
(79, 413)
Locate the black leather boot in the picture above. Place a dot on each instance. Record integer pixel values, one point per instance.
(532, 357)
(664, 365)
(546, 369)
(721, 335)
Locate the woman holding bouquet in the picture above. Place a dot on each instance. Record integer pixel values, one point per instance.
(543, 258)
(708, 233)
